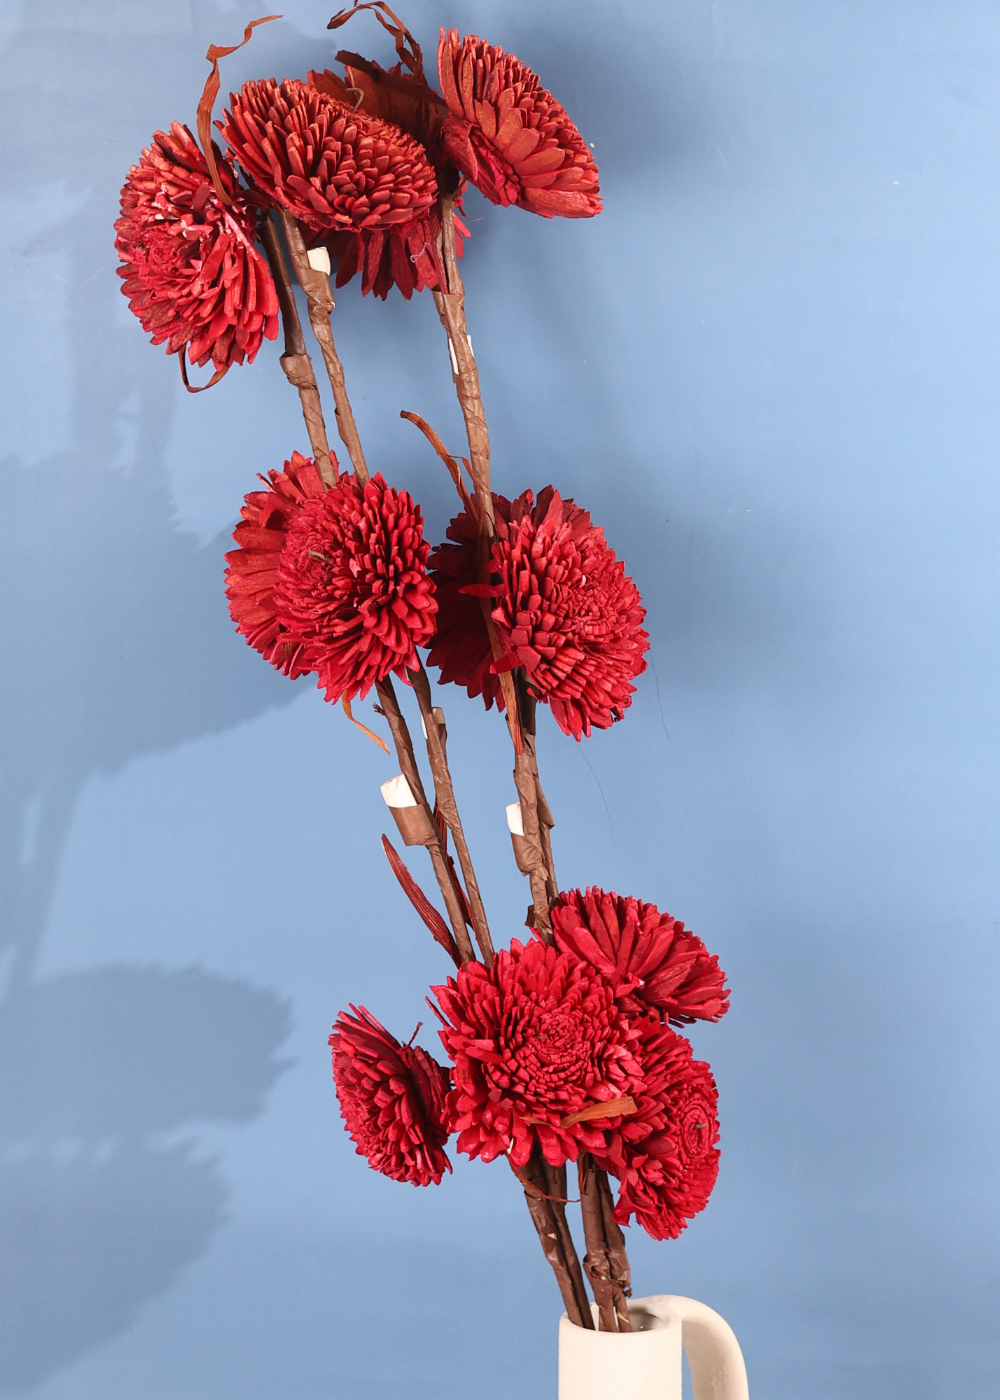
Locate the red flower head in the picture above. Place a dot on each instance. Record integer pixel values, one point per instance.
(509, 136)
(405, 255)
(538, 1044)
(665, 1155)
(461, 644)
(332, 167)
(564, 610)
(190, 269)
(351, 585)
(650, 959)
(392, 1098)
(252, 569)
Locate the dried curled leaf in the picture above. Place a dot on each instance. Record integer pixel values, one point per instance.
(211, 91)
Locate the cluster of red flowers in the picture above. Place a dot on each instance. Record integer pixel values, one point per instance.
(331, 581)
(336, 582)
(565, 1044)
(361, 164)
(564, 610)
(567, 1048)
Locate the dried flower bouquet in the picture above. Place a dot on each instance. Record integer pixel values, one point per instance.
(562, 1048)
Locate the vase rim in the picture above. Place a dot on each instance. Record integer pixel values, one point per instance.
(655, 1314)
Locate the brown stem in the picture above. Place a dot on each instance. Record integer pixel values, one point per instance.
(545, 822)
(524, 781)
(450, 305)
(506, 677)
(295, 361)
(555, 1179)
(535, 815)
(554, 1236)
(551, 887)
(605, 1262)
(614, 1238)
(408, 767)
(445, 795)
(319, 296)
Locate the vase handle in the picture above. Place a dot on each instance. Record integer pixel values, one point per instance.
(718, 1371)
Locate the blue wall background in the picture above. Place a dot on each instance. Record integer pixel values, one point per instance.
(770, 369)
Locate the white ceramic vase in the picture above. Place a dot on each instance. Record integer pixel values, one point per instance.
(645, 1364)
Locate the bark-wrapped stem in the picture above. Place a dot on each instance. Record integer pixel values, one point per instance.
(319, 297)
(295, 361)
(606, 1261)
(445, 794)
(545, 1194)
(408, 767)
(450, 303)
(535, 815)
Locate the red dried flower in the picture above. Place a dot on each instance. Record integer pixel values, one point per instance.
(190, 269)
(509, 136)
(461, 644)
(665, 1155)
(405, 256)
(650, 959)
(352, 587)
(535, 1039)
(392, 1098)
(330, 166)
(564, 610)
(252, 569)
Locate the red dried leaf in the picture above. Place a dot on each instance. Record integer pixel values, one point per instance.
(438, 928)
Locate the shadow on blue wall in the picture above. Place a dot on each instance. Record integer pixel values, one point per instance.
(97, 1212)
(118, 645)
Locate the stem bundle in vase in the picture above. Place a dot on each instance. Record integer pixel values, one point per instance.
(562, 1048)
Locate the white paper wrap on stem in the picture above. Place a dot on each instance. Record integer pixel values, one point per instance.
(397, 793)
(415, 826)
(319, 260)
(523, 849)
(439, 717)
